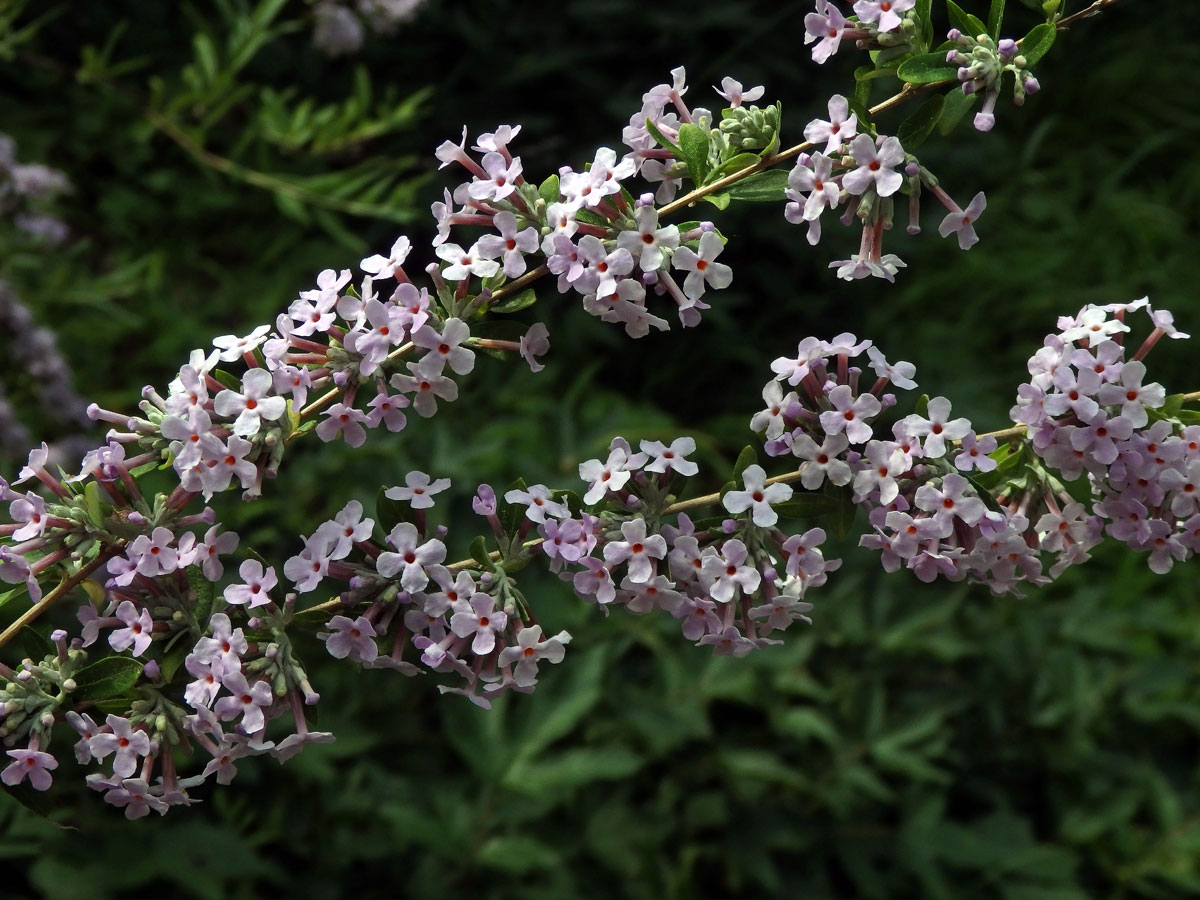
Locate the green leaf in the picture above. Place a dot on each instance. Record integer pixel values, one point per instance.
(964, 21)
(8, 595)
(230, 381)
(747, 458)
(34, 645)
(661, 139)
(925, 17)
(521, 301)
(693, 141)
(761, 187)
(107, 678)
(858, 106)
(926, 69)
(95, 505)
(389, 513)
(806, 504)
(1037, 43)
(720, 201)
(170, 663)
(591, 218)
(518, 855)
(917, 127)
(548, 190)
(731, 165)
(995, 17)
(205, 591)
(841, 518)
(957, 105)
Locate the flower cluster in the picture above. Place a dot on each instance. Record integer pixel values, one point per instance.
(1090, 411)
(982, 62)
(889, 25)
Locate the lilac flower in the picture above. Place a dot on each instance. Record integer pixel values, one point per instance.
(14, 569)
(962, 222)
(803, 557)
(410, 557)
(974, 453)
(246, 700)
(539, 503)
(446, 348)
(671, 458)
(413, 305)
(783, 610)
(657, 593)
(637, 550)
(604, 268)
(510, 243)
(534, 343)
(821, 462)
(726, 572)
(780, 406)
(128, 743)
(388, 410)
(610, 475)
(875, 166)
(379, 266)
(209, 550)
(841, 127)
(849, 414)
(648, 242)
(701, 268)
(823, 193)
(232, 347)
(733, 91)
(794, 369)
(32, 764)
(30, 509)
(465, 263)
(1091, 325)
(698, 617)
(1099, 436)
(900, 374)
(353, 638)
(192, 438)
(137, 630)
(375, 343)
(1133, 396)
(418, 490)
(478, 616)
(306, 569)
(256, 583)
(207, 684)
(224, 649)
(594, 581)
(938, 428)
(950, 500)
(152, 555)
(502, 177)
(884, 13)
(729, 641)
(531, 649)
(346, 421)
(759, 495)
(827, 24)
(426, 386)
(882, 463)
(252, 405)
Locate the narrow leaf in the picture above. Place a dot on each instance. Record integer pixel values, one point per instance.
(548, 190)
(661, 139)
(1037, 43)
(521, 301)
(107, 678)
(693, 141)
(927, 69)
(995, 17)
(957, 105)
(917, 127)
(761, 187)
(747, 458)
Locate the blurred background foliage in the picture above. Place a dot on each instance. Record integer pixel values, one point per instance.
(916, 741)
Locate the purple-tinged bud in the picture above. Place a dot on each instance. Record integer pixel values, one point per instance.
(23, 676)
(770, 574)
(440, 532)
(136, 518)
(729, 526)
(646, 199)
(887, 400)
(1007, 47)
(272, 651)
(93, 411)
(151, 670)
(706, 227)
(357, 581)
(913, 228)
(650, 278)
(954, 34)
(913, 169)
(484, 502)
(341, 378)
(1031, 85)
(964, 75)
(951, 56)
(69, 685)
(486, 579)
(968, 87)
(47, 720)
(311, 697)
(58, 635)
(209, 515)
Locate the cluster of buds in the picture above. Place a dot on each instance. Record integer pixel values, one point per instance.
(982, 62)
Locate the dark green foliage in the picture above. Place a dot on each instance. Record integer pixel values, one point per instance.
(915, 741)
